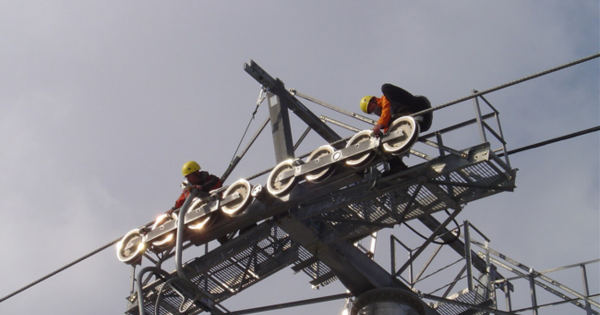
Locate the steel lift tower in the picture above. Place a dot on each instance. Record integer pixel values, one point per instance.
(315, 210)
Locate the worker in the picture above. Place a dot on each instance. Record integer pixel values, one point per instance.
(395, 103)
(203, 181)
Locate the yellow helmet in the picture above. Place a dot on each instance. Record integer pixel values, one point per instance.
(364, 103)
(190, 167)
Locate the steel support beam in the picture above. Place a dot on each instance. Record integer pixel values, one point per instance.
(458, 245)
(355, 270)
(389, 301)
(288, 101)
(280, 128)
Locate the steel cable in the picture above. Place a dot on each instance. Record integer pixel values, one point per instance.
(425, 111)
(61, 269)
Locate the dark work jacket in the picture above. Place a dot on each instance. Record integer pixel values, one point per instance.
(209, 182)
(403, 104)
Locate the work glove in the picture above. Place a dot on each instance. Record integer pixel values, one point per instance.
(377, 130)
(170, 211)
(191, 187)
(200, 188)
(202, 194)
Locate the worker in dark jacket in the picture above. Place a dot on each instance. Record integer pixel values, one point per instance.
(394, 103)
(201, 180)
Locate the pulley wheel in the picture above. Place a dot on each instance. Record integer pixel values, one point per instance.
(167, 239)
(400, 145)
(131, 247)
(276, 185)
(201, 222)
(321, 174)
(363, 158)
(241, 187)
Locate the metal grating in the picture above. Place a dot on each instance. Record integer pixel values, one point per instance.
(351, 212)
(483, 178)
(362, 208)
(474, 297)
(356, 212)
(171, 302)
(315, 269)
(218, 281)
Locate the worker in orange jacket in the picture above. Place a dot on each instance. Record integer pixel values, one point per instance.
(394, 103)
(201, 180)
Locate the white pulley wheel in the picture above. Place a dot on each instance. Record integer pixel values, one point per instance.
(243, 188)
(167, 239)
(131, 247)
(201, 222)
(321, 174)
(363, 158)
(410, 133)
(277, 185)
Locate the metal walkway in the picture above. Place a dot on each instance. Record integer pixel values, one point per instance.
(313, 225)
(349, 207)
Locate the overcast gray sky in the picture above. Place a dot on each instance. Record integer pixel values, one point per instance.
(102, 101)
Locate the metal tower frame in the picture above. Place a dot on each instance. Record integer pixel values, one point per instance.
(315, 226)
(499, 276)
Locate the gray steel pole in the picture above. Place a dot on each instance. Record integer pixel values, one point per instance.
(586, 290)
(179, 242)
(388, 301)
(468, 256)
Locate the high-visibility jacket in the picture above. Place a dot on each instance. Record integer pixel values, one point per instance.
(396, 102)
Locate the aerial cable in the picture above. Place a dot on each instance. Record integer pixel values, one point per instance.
(499, 154)
(557, 139)
(259, 100)
(503, 86)
(261, 97)
(539, 144)
(474, 95)
(525, 148)
(60, 269)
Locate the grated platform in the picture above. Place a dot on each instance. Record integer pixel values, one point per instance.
(345, 212)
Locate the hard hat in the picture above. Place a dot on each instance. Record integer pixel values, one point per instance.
(364, 103)
(190, 167)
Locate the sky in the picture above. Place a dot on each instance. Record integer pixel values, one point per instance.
(101, 102)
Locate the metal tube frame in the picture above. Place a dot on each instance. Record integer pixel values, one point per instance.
(467, 256)
(482, 127)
